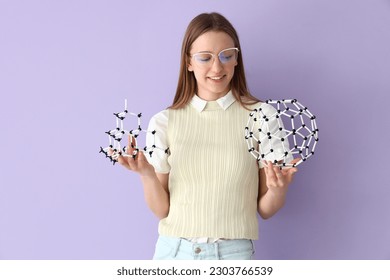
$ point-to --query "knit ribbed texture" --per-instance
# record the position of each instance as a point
(213, 181)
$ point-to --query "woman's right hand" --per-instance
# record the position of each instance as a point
(137, 163)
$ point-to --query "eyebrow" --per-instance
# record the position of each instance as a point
(204, 52)
(212, 52)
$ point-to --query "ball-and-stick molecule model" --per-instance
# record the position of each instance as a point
(116, 135)
(285, 131)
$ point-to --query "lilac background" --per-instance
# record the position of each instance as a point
(65, 66)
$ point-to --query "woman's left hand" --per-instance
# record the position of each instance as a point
(279, 179)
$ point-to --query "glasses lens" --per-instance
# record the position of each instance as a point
(228, 55)
(203, 58)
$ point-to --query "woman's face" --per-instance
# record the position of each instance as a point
(213, 76)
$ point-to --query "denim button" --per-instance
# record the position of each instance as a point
(197, 250)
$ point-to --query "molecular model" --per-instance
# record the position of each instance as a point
(115, 136)
(288, 132)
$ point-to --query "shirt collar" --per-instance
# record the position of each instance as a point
(224, 101)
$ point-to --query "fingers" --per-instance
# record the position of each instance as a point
(131, 146)
(128, 159)
(132, 143)
(295, 160)
(267, 164)
(270, 171)
(277, 177)
(291, 171)
(124, 161)
(289, 174)
(141, 156)
(134, 160)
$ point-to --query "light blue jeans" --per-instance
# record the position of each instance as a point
(173, 248)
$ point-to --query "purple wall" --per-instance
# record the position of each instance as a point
(65, 66)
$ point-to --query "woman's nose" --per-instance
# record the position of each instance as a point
(217, 65)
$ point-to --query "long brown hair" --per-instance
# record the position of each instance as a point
(187, 86)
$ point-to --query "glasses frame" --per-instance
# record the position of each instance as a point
(213, 57)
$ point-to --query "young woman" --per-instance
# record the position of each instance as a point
(208, 190)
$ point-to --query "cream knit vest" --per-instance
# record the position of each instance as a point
(213, 181)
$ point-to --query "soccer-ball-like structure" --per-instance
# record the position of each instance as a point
(116, 135)
(285, 131)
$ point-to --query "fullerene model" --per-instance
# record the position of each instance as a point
(291, 127)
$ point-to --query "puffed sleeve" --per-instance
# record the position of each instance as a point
(276, 128)
(158, 124)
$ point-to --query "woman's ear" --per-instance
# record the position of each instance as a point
(190, 68)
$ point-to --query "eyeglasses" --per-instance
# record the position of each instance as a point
(225, 56)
